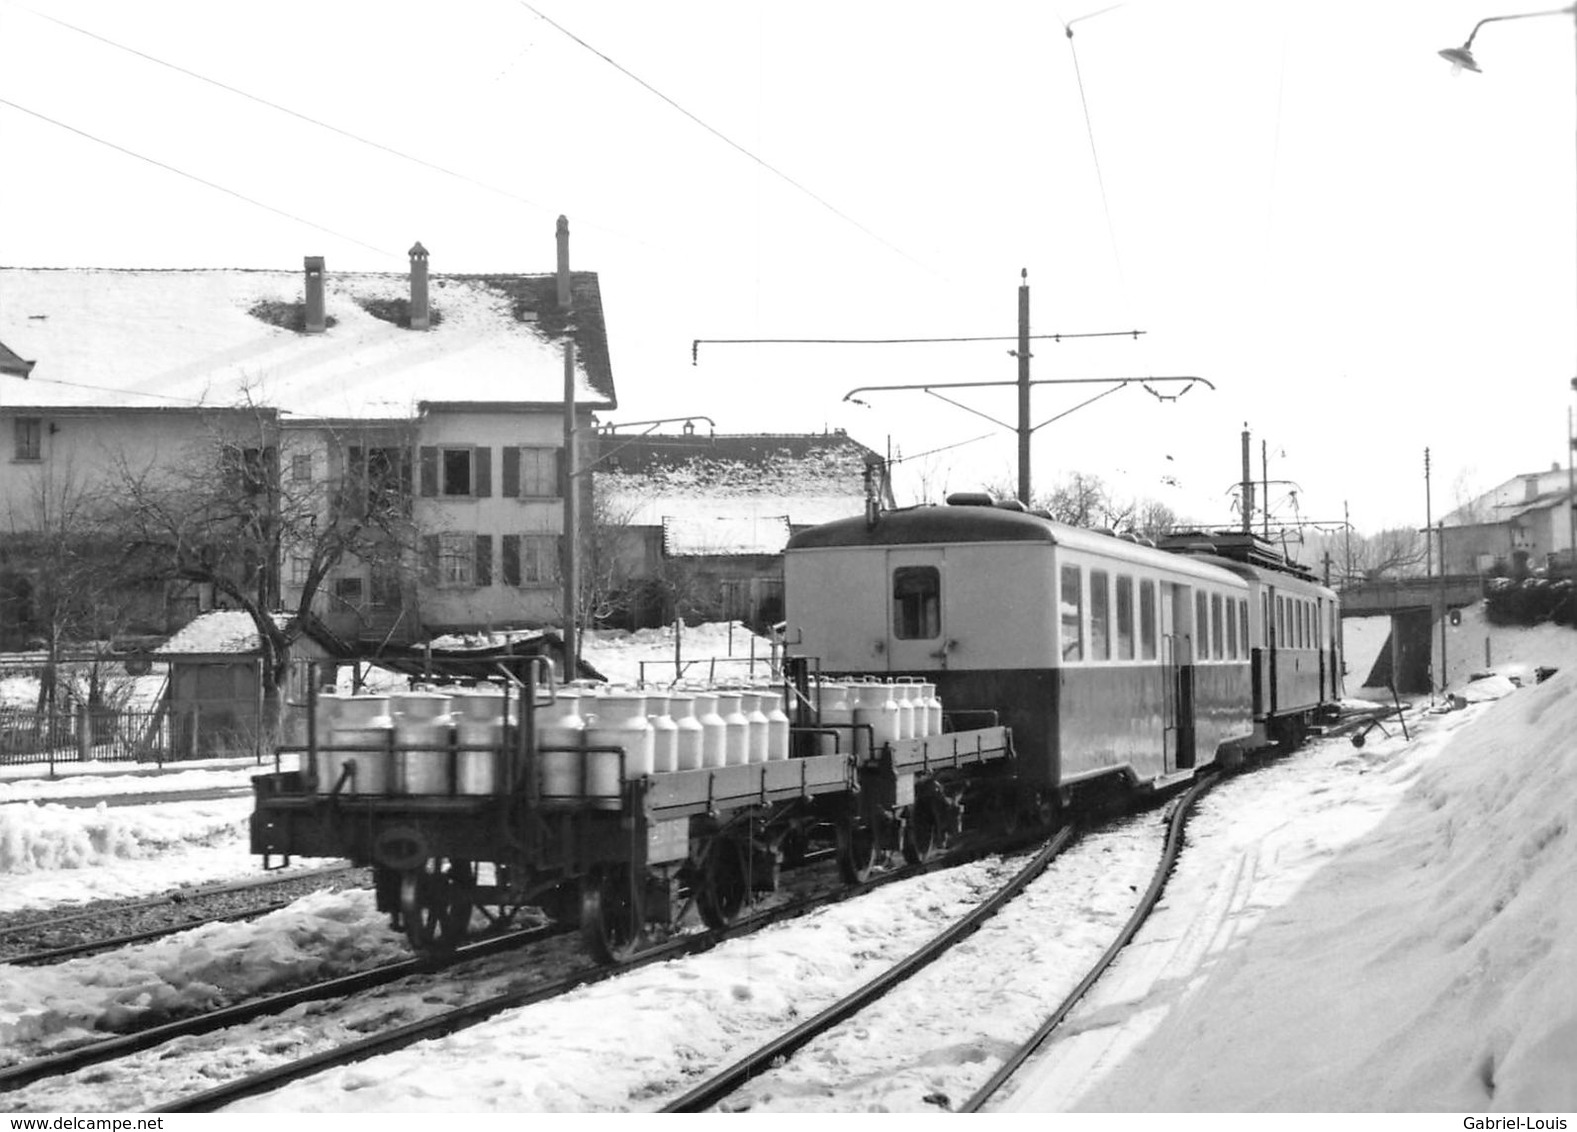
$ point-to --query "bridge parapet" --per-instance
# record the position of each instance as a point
(1393, 594)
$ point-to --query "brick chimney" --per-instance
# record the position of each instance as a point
(420, 317)
(315, 318)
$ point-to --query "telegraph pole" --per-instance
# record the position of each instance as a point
(1024, 429)
(571, 554)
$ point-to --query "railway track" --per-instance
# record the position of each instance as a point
(112, 924)
(473, 1013)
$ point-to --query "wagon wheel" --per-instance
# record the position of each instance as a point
(859, 848)
(435, 903)
(611, 914)
(724, 885)
(925, 834)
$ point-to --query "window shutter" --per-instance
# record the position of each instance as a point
(511, 485)
(430, 560)
(429, 471)
(484, 473)
(510, 549)
(484, 560)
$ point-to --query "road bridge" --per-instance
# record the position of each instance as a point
(1392, 595)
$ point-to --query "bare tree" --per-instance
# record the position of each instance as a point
(1394, 553)
(224, 517)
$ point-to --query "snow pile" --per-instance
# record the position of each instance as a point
(113, 845)
(1487, 688)
(87, 780)
(319, 936)
(1424, 964)
(721, 650)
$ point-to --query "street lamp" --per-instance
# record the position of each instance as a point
(1461, 58)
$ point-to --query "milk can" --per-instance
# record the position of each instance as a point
(933, 709)
(665, 732)
(714, 732)
(771, 706)
(756, 722)
(837, 713)
(874, 708)
(736, 728)
(479, 740)
(324, 717)
(559, 724)
(619, 721)
(903, 696)
(363, 722)
(422, 728)
(691, 735)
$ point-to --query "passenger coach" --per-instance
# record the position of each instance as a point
(1103, 656)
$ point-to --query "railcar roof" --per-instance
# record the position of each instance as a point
(1281, 579)
(932, 525)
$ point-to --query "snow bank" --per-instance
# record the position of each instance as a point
(319, 936)
(51, 853)
(724, 649)
(1426, 966)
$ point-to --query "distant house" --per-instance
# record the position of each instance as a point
(696, 524)
(215, 698)
(446, 391)
(1518, 526)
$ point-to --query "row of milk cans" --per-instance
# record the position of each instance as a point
(592, 739)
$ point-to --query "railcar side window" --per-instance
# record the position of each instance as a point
(1232, 629)
(1100, 616)
(1215, 626)
(1281, 622)
(1243, 612)
(1124, 617)
(1201, 626)
(917, 602)
(1147, 619)
(1072, 600)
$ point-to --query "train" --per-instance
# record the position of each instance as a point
(943, 668)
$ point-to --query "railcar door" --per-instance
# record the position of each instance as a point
(917, 639)
(1177, 680)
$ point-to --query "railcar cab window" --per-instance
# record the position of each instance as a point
(917, 602)
(1072, 606)
(1124, 617)
(1146, 619)
(1100, 616)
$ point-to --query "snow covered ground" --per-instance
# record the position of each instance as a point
(1385, 928)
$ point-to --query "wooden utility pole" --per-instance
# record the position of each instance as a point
(571, 552)
(1024, 429)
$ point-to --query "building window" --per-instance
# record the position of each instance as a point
(1071, 605)
(457, 472)
(456, 559)
(385, 585)
(301, 468)
(917, 603)
(531, 473)
(1124, 617)
(348, 590)
(29, 438)
(456, 467)
(300, 566)
(530, 560)
(379, 480)
(1100, 616)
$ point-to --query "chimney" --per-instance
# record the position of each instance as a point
(315, 321)
(419, 313)
(563, 275)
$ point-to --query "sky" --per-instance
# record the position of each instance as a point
(1300, 204)
(1376, 929)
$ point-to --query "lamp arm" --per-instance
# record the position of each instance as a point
(1514, 16)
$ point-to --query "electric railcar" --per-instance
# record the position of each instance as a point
(1063, 658)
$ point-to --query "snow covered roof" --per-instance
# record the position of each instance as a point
(220, 631)
(737, 492)
(187, 338)
(739, 533)
(12, 363)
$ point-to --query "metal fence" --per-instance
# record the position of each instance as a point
(86, 735)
